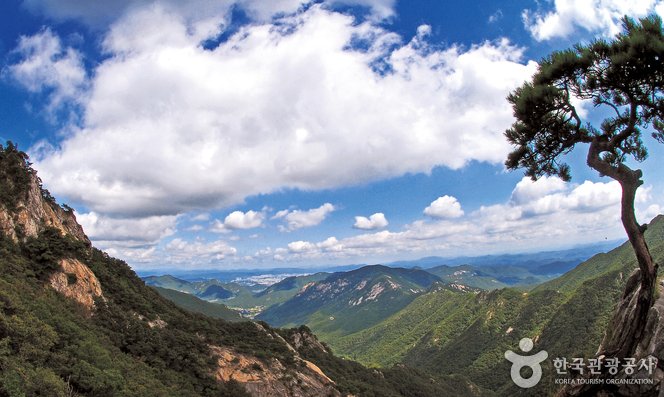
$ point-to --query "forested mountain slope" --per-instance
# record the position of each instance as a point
(449, 333)
(195, 304)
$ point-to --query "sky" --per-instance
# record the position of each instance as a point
(221, 134)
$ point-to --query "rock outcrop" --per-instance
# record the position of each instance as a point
(647, 381)
(269, 377)
(77, 281)
(306, 339)
(36, 212)
(28, 217)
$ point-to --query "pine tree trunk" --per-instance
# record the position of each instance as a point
(625, 329)
(624, 343)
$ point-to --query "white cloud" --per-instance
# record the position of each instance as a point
(132, 240)
(565, 213)
(331, 244)
(301, 246)
(238, 220)
(651, 212)
(47, 66)
(275, 107)
(135, 255)
(375, 221)
(595, 16)
(588, 197)
(298, 219)
(444, 207)
(527, 190)
(181, 250)
(201, 217)
(126, 232)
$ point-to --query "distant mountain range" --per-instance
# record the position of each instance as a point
(195, 304)
(250, 294)
(240, 298)
(525, 260)
(529, 261)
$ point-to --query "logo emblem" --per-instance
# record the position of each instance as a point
(519, 362)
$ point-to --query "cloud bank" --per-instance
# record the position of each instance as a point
(171, 127)
(98, 13)
(547, 211)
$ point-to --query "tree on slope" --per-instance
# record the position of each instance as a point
(625, 76)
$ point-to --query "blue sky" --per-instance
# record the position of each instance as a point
(229, 135)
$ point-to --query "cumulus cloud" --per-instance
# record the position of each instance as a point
(557, 211)
(47, 66)
(135, 255)
(296, 219)
(133, 240)
(375, 221)
(127, 232)
(596, 16)
(238, 220)
(444, 207)
(276, 106)
(547, 211)
(527, 190)
(181, 250)
(301, 246)
(201, 217)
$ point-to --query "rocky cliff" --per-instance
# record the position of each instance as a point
(33, 212)
(647, 378)
(269, 377)
(76, 281)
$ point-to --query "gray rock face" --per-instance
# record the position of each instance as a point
(642, 381)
